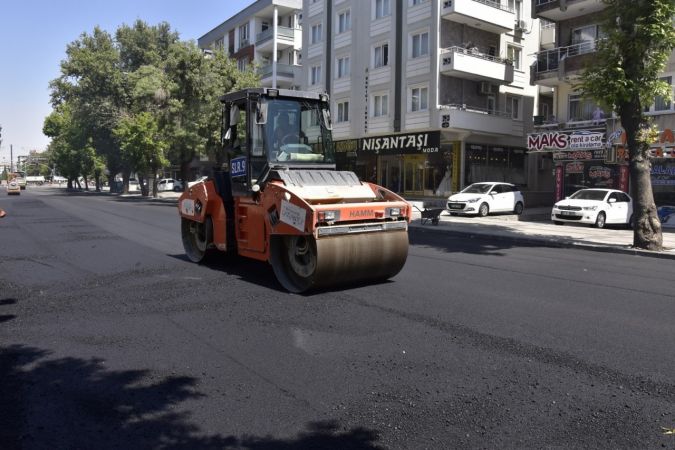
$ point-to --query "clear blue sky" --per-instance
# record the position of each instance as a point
(33, 39)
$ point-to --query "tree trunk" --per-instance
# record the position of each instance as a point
(125, 182)
(646, 226)
(86, 183)
(154, 182)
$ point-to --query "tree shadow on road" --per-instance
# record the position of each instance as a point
(78, 403)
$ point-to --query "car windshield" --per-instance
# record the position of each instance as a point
(588, 194)
(478, 188)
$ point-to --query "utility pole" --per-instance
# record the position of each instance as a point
(11, 158)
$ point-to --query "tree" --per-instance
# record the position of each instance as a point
(68, 144)
(639, 38)
(193, 116)
(142, 145)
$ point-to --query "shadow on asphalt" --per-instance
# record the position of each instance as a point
(449, 241)
(78, 403)
(261, 273)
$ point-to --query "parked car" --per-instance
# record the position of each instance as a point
(598, 207)
(13, 188)
(169, 184)
(485, 198)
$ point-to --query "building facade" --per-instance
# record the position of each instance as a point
(584, 143)
(267, 34)
(427, 95)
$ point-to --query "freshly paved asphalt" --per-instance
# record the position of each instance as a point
(111, 339)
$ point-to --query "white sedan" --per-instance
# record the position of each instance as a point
(484, 198)
(169, 184)
(597, 207)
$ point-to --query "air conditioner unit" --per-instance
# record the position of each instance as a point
(487, 88)
(521, 25)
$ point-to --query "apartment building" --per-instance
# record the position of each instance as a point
(266, 34)
(584, 143)
(427, 95)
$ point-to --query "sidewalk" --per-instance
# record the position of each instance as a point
(535, 226)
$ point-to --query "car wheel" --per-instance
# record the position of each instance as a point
(484, 210)
(600, 220)
(557, 222)
(518, 209)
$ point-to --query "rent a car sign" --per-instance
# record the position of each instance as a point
(558, 140)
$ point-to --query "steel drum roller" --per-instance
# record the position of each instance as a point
(302, 263)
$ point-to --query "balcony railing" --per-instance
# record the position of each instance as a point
(283, 70)
(493, 4)
(476, 110)
(282, 32)
(474, 53)
(549, 60)
(544, 2)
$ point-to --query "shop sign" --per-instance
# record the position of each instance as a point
(663, 174)
(346, 146)
(558, 183)
(560, 140)
(574, 167)
(424, 142)
(579, 155)
(664, 147)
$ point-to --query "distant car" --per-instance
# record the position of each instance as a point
(169, 184)
(484, 198)
(664, 212)
(13, 188)
(198, 180)
(598, 207)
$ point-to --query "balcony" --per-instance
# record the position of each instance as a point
(471, 64)
(556, 66)
(286, 75)
(557, 10)
(486, 15)
(285, 38)
(479, 120)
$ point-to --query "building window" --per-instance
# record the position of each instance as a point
(381, 56)
(419, 99)
(315, 75)
(219, 45)
(420, 44)
(243, 36)
(514, 54)
(343, 112)
(517, 7)
(513, 106)
(344, 21)
(316, 34)
(382, 8)
(343, 67)
(663, 103)
(380, 105)
(242, 64)
(580, 109)
(417, 2)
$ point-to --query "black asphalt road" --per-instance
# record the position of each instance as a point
(111, 339)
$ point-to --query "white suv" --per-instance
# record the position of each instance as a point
(485, 198)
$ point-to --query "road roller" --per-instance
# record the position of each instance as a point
(276, 196)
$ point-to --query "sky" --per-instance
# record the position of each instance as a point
(33, 39)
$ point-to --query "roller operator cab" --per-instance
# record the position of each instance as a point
(278, 198)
